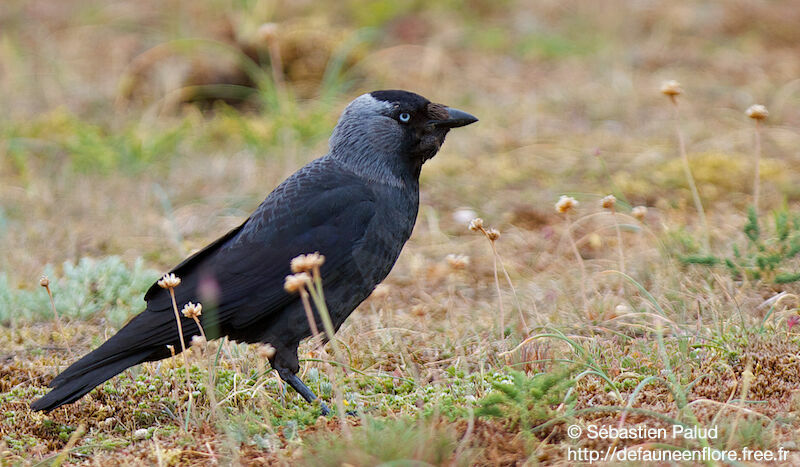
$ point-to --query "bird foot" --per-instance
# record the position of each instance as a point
(298, 385)
(325, 410)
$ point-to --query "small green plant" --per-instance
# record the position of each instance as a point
(90, 287)
(402, 441)
(672, 89)
(768, 256)
(526, 402)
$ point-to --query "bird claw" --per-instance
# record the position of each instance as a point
(325, 410)
(298, 385)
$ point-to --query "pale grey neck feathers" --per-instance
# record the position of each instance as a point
(368, 142)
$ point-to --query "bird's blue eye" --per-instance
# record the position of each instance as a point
(405, 117)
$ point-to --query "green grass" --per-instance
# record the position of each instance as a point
(130, 140)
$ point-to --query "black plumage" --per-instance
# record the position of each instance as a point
(356, 206)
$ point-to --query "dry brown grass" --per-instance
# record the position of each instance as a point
(567, 94)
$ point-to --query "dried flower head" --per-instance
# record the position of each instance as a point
(266, 351)
(493, 234)
(169, 281)
(476, 224)
(192, 310)
(671, 88)
(294, 282)
(171, 349)
(639, 212)
(757, 112)
(565, 204)
(307, 262)
(609, 202)
(457, 261)
(199, 341)
(267, 32)
(44, 281)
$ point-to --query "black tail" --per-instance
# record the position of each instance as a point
(143, 339)
(74, 386)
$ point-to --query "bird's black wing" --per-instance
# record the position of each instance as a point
(320, 208)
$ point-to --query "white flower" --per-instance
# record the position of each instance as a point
(307, 262)
(476, 224)
(609, 202)
(757, 112)
(169, 281)
(566, 204)
(671, 88)
(191, 310)
(294, 282)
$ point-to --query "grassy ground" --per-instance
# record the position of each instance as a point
(133, 133)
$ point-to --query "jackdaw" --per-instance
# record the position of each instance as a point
(357, 206)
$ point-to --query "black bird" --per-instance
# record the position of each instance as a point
(357, 206)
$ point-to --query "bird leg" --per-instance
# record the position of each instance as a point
(301, 388)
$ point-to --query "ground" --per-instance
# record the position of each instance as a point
(135, 132)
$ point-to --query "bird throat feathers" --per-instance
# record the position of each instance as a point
(372, 144)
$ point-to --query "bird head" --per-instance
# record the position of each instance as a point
(388, 135)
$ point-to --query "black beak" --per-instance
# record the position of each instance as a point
(457, 118)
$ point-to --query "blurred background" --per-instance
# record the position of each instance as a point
(133, 132)
(148, 127)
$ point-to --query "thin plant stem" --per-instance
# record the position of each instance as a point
(747, 379)
(212, 379)
(211, 390)
(46, 285)
(499, 260)
(619, 241)
(499, 295)
(276, 63)
(200, 327)
(318, 296)
(688, 172)
(309, 313)
(757, 180)
(178, 320)
(516, 298)
(582, 266)
(183, 352)
(492, 235)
